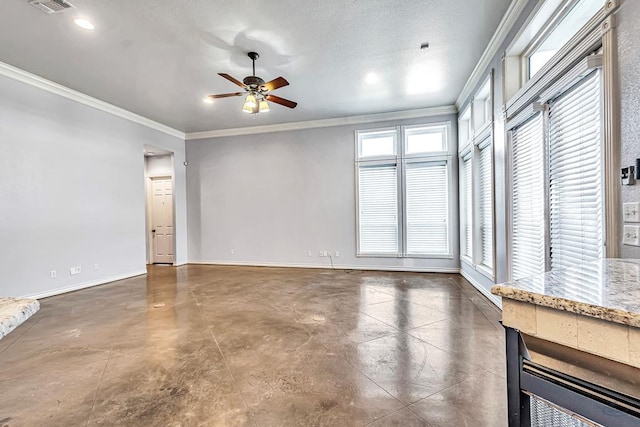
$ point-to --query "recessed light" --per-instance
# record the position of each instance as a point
(207, 100)
(371, 78)
(83, 23)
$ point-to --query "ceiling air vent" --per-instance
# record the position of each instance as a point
(52, 6)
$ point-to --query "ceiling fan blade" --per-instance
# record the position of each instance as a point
(233, 80)
(275, 84)
(225, 95)
(281, 101)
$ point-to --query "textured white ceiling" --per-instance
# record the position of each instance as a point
(158, 58)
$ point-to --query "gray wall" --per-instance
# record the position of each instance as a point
(628, 17)
(272, 197)
(72, 192)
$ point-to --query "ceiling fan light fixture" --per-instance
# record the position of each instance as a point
(264, 106)
(250, 104)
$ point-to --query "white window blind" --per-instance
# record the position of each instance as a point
(528, 233)
(467, 206)
(575, 174)
(427, 210)
(378, 205)
(486, 202)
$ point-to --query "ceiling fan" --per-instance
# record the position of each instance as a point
(257, 90)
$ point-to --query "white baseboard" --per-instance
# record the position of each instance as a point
(85, 285)
(493, 298)
(329, 267)
(180, 263)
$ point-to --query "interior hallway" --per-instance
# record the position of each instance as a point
(225, 346)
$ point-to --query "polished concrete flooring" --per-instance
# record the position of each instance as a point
(235, 346)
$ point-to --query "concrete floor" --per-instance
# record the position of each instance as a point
(227, 346)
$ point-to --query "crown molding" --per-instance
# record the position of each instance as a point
(15, 73)
(339, 121)
(499, 36)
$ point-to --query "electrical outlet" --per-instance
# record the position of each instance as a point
(308, 253)
(325, 253)
(233, 251)
(95, 267)
(321, 253)
(337, 254)
(631, 212)
(75, 270)
(53, 274)
(631, 235)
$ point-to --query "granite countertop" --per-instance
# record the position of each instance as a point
(608, 289)
(14, 312)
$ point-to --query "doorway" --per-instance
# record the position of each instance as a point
(160, 218)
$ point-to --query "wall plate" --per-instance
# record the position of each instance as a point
(631, 235)
(631, 212)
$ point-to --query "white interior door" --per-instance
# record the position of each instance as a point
(162, 220)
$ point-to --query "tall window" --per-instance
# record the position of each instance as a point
(485, 193)
(476, 181)
(403, 177)
(557, 179)
(575, 175)
(560, 182)
(528, 199)
(466, 205)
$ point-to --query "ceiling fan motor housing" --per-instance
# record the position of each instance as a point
(253, 82)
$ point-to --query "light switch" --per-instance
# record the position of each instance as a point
(631, 235)
(631, 212)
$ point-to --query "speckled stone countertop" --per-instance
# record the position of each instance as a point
(14, 311)
(607, 289)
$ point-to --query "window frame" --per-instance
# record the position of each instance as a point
(400, 160)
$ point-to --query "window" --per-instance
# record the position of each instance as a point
(466, 207)
(485, 170)
(560, 182)
(575, 175)
(378, 201)
(528, 201)
(557, 179)
(476, 181)
(403, 191)
(575, 16)
(548, 38)
(427, 208)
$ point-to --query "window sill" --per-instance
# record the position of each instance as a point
(409, 256)
(482, 269)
